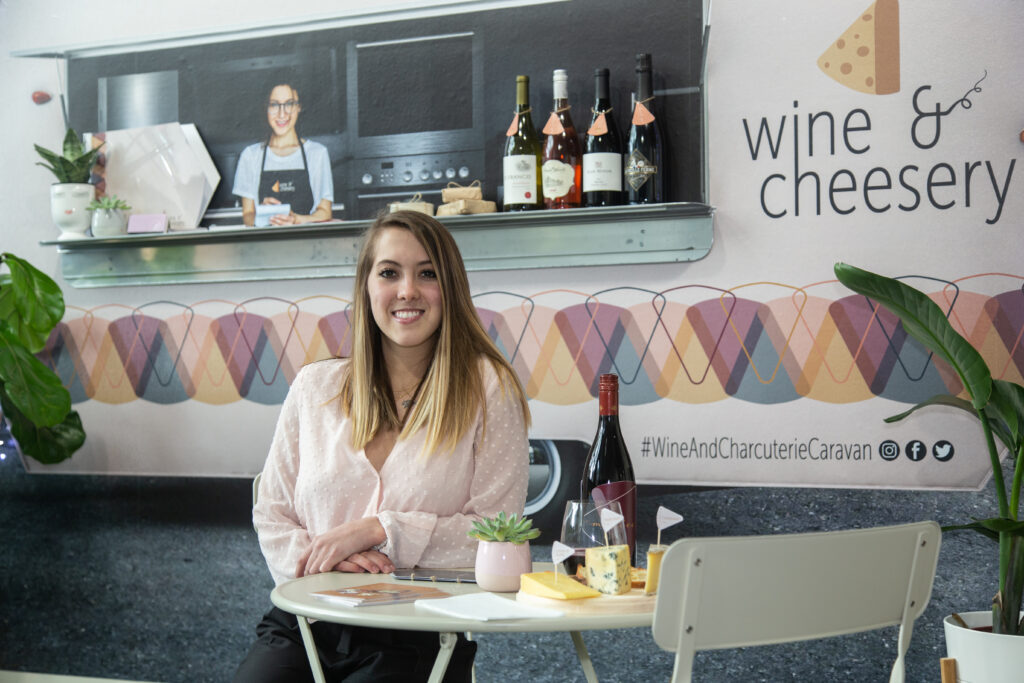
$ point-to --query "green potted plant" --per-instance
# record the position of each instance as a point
(72, 192)
(999, 407)
(35, 404)
(503, 552)
(108, 217)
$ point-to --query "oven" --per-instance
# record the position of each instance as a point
(415, 118)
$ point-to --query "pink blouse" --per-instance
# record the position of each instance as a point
(314, 480)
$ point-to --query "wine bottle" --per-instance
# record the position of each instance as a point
(645, 170)
(521, 171)
(562, 169)
(608, 472)
(602, 151)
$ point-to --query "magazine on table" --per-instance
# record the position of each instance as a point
(379, 594)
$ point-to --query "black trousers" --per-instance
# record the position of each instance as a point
(351, 654)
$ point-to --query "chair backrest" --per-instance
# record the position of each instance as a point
(729, 592)
(256, 491)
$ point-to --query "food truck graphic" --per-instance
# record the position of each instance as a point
(879, 143)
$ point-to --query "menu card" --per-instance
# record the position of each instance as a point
(379, 594)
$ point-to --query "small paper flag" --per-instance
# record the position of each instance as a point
(666, 518)
(559, 552)
(609, 519)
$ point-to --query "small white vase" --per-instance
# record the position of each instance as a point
(68, 202)
(107, 222)
(499, 565)
(982, 656)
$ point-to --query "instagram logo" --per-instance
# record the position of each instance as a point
(889, 450)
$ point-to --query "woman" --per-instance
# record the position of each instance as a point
(283, 171)
(384, 459)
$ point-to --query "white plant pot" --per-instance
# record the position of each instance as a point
(107, 222)
(982, 656)
(68, 202)
(499, 565)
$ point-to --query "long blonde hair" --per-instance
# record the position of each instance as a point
(452, 390)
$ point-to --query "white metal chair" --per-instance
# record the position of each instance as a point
(255, 492)
(717, 593)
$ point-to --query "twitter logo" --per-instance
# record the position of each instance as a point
(942, 450)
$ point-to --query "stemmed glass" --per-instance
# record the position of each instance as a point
(581, 529)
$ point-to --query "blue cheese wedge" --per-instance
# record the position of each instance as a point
(608, 569)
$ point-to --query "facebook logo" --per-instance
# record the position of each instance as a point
(916, 450)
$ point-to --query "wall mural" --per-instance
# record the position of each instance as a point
(691, 344)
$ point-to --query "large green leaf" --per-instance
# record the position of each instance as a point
(1007, 407)
(940, 400)
(1004, 412)
(924, 320)
(30, 301)
(30, 385)
(48, 445)
(992, 527)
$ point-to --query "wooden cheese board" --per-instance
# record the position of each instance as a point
(633, 602)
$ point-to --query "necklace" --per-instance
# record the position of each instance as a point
(408, 402)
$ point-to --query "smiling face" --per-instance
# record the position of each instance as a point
(283, 97)
(404, 293)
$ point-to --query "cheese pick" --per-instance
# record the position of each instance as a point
(559, 553)
(608, 521)
(666, 518)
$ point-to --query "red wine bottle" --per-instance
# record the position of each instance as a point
(521, 172)
(608, 472)
(645, 170)
(602, 150)
(562, 169)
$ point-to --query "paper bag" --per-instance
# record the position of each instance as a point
(163, 169)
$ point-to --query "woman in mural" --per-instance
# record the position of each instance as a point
(384, 459)
(285, 169)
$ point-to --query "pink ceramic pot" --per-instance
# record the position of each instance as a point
(498, 565)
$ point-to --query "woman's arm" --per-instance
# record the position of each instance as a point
(248, 212)
(283, 537)
(323, 213)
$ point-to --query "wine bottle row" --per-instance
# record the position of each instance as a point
(553, 170)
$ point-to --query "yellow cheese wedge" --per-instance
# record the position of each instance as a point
(654, 556)
(556, 586)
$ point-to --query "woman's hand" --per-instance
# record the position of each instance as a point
(284, 219)
(370, 561)
(330, 549)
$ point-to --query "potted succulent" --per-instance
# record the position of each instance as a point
(108, 217)
(35, 404)
(503, 552)
(999, 407)
(72, 192)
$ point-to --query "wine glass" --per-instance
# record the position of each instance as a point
(581, 529)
